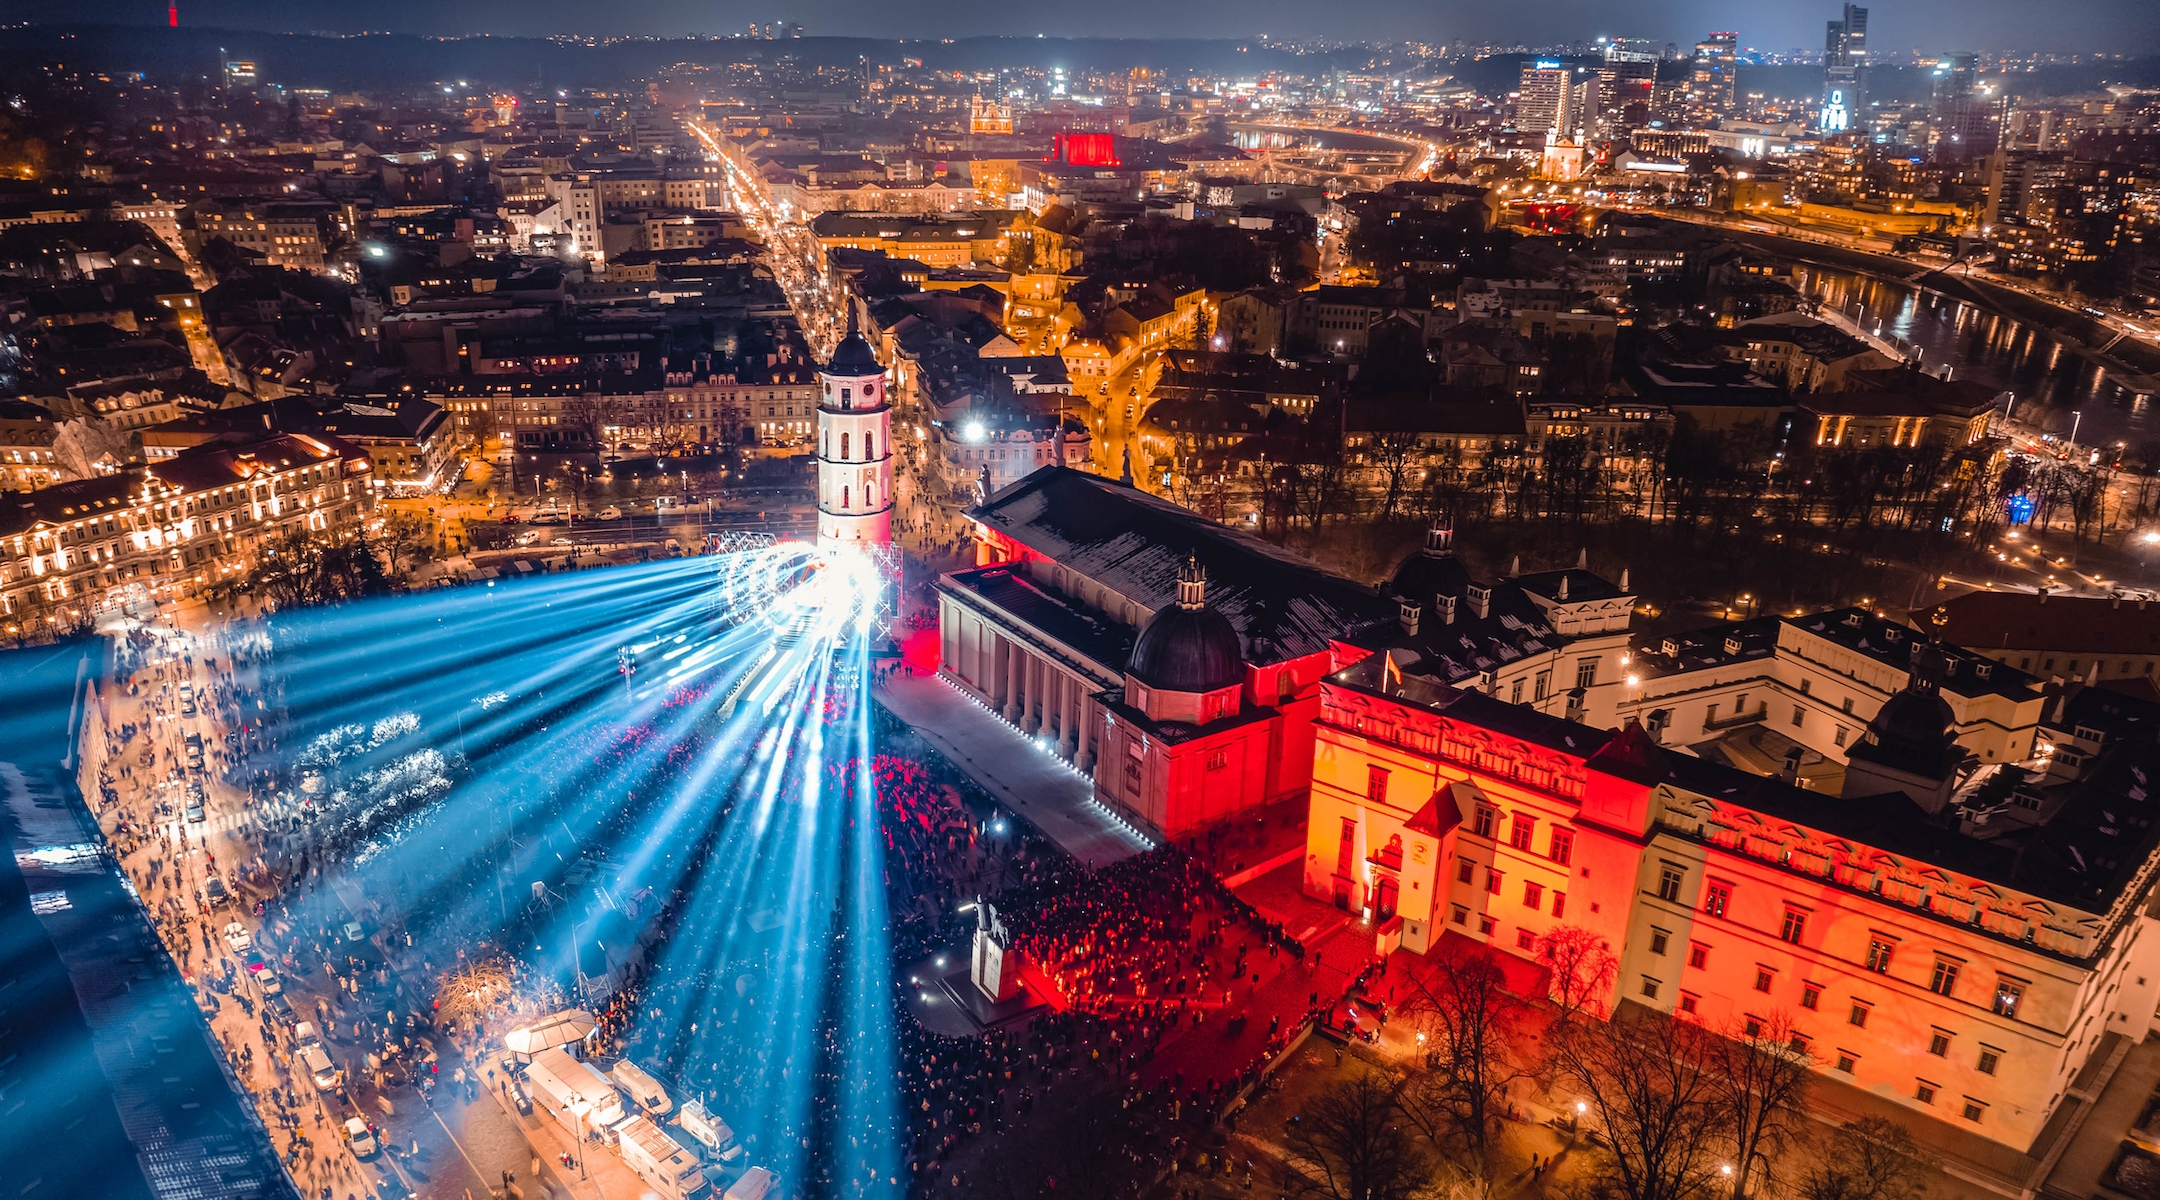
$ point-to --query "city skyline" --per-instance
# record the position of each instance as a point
(2109, 26)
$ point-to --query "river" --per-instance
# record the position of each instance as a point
(2051, 383)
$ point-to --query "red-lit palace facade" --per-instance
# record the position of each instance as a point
(1908, 956)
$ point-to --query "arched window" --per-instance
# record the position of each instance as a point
(847, 397)
(843, 496)
(843, 448)
(869, 447)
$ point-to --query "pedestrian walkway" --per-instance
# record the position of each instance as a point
(1003, 762)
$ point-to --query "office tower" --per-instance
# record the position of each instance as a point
(1845, 72)
(1954, 75)
(1545, 98)
(1710, 88)
(1627, 86)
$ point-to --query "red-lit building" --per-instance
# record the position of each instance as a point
(1939, 953)
(1952, 967)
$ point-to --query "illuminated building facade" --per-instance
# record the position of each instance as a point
(1844, 99)
(1956, 977)
(171, 529)
(854, 457)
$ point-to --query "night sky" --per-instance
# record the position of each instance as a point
(1897, 25)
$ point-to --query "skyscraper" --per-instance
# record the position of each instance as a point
(1545, 97)
(1627, 84)
(1717, 63)
(1845, 72)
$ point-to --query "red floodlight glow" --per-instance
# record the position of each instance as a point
(1086, 150)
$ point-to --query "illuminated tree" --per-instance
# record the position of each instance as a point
(1467, 1023)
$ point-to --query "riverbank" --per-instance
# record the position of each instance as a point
(2131, 364)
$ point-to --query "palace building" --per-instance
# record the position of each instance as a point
(1957, 929)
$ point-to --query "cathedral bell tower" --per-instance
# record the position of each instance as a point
(854, 456)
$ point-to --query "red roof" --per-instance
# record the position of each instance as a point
(1435, 818)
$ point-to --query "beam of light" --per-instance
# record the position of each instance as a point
(542, 765)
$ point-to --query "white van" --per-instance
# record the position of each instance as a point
(643, 1088)
(755, 1184)
(320, 1069)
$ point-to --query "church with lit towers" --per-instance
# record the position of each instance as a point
(854, 455)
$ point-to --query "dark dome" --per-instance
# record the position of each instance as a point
(1424, 575)
(1915, 725)
(853, 357)
(1188, 650)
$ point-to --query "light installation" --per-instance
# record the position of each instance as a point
(652, 783)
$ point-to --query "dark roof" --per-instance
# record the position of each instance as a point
(2064, 624)
(2085, 857)
(1108, 643)
(1282, 606)
(854, 357)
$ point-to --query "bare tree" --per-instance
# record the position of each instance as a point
(1350, 1144)
(1763, 1068)
(1870, 1159)
(1582, 965)
(1651, 1087)
(1467, 1021)
(1392, 454)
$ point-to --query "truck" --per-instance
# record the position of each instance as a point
(574, 1092)
(670, 1170)
(641, 1087)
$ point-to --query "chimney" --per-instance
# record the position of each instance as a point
(1623, 579)
(1444, 607)
(1480, 601)
(1563, 587)
(1408, 616)
(1582, 559)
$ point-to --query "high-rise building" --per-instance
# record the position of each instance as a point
(1545, 97)
(854, 456)
(1845, 72)
(1627, 85)
(1954, 75)
(1711, 86)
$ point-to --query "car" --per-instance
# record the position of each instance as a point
(195, 810)
(238, 937)
(279, 1006)
(360, 1137)
(549, 519)
(268, 984)
(216, 894)
(323, 1073)
(254, 961)
(355, 932)
(187, 706)
(610, 513)
(304, 1034)
(526, 538)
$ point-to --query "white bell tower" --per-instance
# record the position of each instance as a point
(854, 456)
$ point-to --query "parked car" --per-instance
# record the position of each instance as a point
(610, 513)
(549, 519)
(267, 983)
(238, 937)
(360, 1137)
